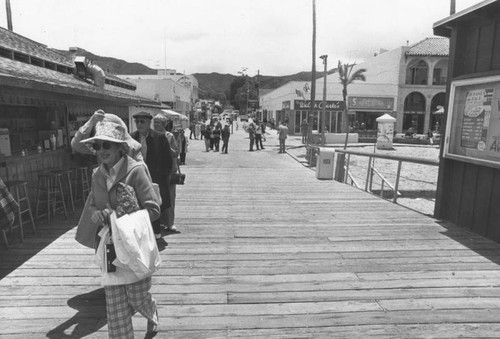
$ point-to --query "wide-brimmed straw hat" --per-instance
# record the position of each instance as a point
(109, 131)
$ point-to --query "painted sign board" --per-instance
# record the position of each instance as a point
(331, 105)
(473, 122)
(372, 103)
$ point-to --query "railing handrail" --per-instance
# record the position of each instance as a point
(414, 160)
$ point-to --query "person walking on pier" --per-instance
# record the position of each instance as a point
(304, 128)
(183, 146)
(118, 176)
(282, 135)
(251, 134)
(216, 133)
(156, 153)
(163, 125)
(258, 135)
(207, 132)
(225, 138)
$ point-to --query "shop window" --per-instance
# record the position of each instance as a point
(21, 57)
(50, 65)
(416, 73)
(36, 62)
(62, 69)
(5, 53)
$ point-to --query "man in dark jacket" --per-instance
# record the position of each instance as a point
(156, 153)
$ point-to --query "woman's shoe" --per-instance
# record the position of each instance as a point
(152, 328)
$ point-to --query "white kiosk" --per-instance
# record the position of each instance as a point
(385, 131)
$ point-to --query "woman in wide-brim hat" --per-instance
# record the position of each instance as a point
(86, 230)
(118, 172)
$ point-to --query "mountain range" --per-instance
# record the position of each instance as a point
(209, 83)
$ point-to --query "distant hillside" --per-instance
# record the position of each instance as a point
(219, 83)
(210, 84)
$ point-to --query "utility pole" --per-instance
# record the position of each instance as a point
(323, 111)
(313, 74)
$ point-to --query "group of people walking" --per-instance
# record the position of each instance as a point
(132, 194)
(212, 133)
(256, 133)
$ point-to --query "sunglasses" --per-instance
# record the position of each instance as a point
(141, 121)
(105, 145)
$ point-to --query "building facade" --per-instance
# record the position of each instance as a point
(178, 92)
(408, 83)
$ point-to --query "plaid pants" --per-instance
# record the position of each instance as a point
(122, 301)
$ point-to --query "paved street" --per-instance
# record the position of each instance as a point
(266, 250)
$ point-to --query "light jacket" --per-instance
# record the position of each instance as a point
(132, 173)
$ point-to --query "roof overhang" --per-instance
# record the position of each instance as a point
(443, 27)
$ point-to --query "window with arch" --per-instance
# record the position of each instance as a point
(440, 73)
(415, 102)
(416, 73)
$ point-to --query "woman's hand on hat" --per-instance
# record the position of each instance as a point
(97, 116)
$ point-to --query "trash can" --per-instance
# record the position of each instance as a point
(324, 165)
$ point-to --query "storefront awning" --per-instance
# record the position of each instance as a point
(440, 110)
(170, 113)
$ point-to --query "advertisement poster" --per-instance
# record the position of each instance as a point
(473, 123)
(476, 119)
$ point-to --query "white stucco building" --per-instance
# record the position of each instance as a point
(179, 92)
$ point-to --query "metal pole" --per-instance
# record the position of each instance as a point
(9, 15)
(323, 111)
(313, 71)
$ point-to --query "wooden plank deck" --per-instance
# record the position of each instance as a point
(268, 251)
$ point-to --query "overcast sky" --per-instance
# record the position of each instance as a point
(203, 36)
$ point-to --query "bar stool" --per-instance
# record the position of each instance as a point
(50, 192)
(67, 181)
(19, 190)
(82, 183)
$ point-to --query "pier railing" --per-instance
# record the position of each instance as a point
(343, 162)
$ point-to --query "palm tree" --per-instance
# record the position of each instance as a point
(346, 77)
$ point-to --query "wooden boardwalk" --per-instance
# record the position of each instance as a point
(268, 251)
